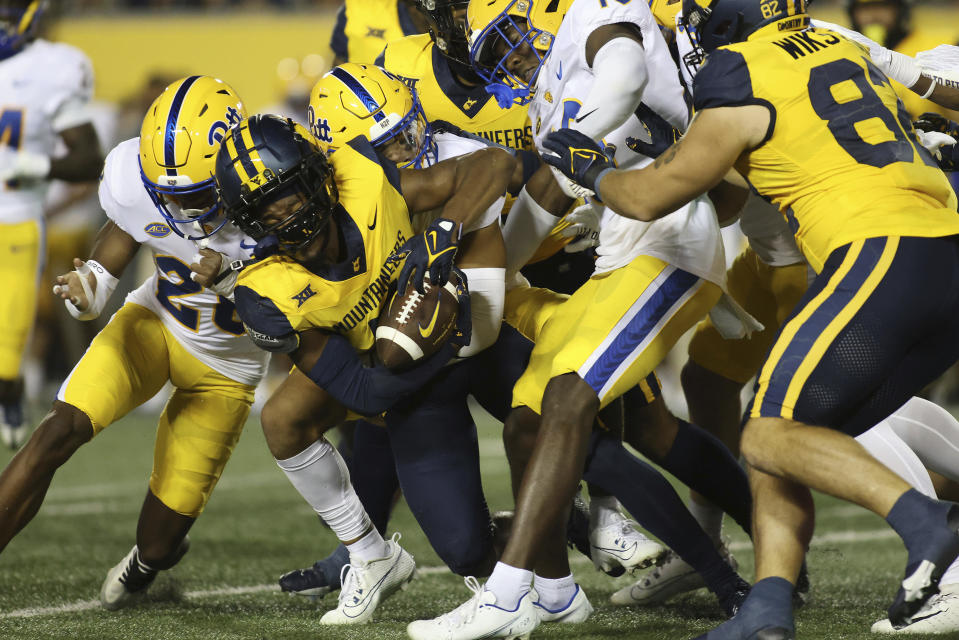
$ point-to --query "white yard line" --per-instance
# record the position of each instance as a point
(843, 537)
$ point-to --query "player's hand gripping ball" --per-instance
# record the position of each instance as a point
(413, 325)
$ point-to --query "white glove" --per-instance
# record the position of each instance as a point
(22, 164)
(941, 62)
(569, 187)
(897, 66)
(933, 140)
(584, 224)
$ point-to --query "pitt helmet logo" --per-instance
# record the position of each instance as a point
(157, 230)
(304, 295)
(219, 128)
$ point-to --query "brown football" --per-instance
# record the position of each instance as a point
(414, 326)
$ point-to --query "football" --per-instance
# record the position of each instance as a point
(414, 326)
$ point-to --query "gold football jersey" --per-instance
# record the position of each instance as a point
(364, 27)
(278, 295)
(417, 62)
(841, 159)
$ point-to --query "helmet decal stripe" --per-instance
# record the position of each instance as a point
(354, 85)
(169, 151)
(28, 17)
(233, 150)
(247, 154)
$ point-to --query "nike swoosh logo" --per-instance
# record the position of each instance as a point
(623, 553)
(244, 245)
(559, 74)
(363, 604)
(586, 115)
(376, 212)
(931, 615)
(427, 331)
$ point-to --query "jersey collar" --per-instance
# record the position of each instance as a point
(461, 96)
(355, 262)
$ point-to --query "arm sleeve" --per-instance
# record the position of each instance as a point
(72, 103)
(370, 391)
(527, 225)
(487, 299)
(619, 78)
(266, 325)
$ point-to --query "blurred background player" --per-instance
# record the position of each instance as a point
(890, 23)
(46, 89)
(364, 27)
(156, 191)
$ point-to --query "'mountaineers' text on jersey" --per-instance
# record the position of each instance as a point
(364, 27)
(278, 296)
(840, 159)
(689, 238)
(44, 89)
(416, 61)
(205, 323)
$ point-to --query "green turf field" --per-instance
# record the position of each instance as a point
(257, 527)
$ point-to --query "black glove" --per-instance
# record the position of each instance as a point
(930, 121)
(578, 157)
(464, 319)
(430, 252)
(662, 133)
(949, 158)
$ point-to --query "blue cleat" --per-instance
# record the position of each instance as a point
(320, 579)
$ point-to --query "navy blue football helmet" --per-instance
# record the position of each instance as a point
(265, 159)
(722, 22)
(19, 20)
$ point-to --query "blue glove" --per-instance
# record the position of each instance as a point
(430, 252)
(578, 157)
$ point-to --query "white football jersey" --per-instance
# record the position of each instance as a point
(765, 228)
(205, 323)
(688, 238)
(44, 89)
(449, 145)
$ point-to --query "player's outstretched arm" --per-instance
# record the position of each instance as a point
(689, 168)
(84, 159)
(113, 250)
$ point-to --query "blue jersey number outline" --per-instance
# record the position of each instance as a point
(169, 293)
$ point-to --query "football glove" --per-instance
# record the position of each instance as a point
(583, 228)
(578, 157)
(662, 134)
(463, 332)
(949, 158)
(930, 122)
(429, 252)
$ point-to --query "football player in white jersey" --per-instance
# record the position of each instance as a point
(46, 88)
(157, 191)
(605, 69)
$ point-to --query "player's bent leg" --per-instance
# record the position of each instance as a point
(297, 414)
(437, 461)
(25, 480)
(20, 256)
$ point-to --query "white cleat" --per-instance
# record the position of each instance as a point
(620, 545)
(670, 578)
(366, 584)
(577, 610)
(940, 615)
(125, 583)
(479, 617)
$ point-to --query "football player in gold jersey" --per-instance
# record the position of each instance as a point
(330, 228)
(364, 27)
(814, 127)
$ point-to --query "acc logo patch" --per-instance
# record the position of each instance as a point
(157, 230)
